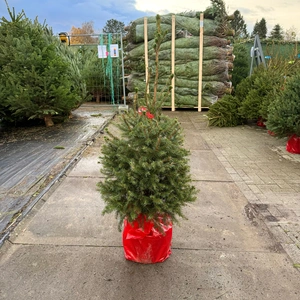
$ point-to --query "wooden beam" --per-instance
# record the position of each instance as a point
(200, 63)
(146, 52)
(173, 63)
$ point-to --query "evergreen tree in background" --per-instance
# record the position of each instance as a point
(263, 28)
(114, 26)
(218, 8)
(284, 112)
(35, 81)
(260, 28)
(239, 26)
(241, 64)
(224, 113)
(217, 12)
(276, 33)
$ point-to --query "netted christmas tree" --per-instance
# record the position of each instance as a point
(146, 167)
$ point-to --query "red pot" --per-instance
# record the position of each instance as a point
(271, 133)
(146, 245)
(260, 122)
(293, 144)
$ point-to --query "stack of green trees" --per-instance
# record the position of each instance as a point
(217, 56)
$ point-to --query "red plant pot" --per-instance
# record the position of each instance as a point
(271, 133)
(293, 144)
(146, 245)
(260, 122)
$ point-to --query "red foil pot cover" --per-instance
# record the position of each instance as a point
(293, 144)
(146, 245)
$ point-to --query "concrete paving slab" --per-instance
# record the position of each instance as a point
(180, 115)
(199, 120)
(29, 157)
(187, 126)
(65, 248)
(218, 220)
(194, 141)
(205, 166)
(89, 165)
(70, 216)
(64, 272)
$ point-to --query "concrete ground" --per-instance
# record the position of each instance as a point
(241, 239)
(32, 158)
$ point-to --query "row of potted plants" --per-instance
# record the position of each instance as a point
(271, 96)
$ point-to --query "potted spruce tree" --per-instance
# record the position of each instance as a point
(147, 175)
(284, 114)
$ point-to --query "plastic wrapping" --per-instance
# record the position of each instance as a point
(146, 245)
(293, 144)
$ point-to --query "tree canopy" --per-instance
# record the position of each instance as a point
(35, 77)
(239, 25)
(114, 26)
(84, 34)
(290, 34)
(260, 28)
(277, 33)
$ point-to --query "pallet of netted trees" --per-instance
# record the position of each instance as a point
(179, 55)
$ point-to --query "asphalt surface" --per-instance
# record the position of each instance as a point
(241, 239)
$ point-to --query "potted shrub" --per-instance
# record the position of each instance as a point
(147, 175)
(284, 114)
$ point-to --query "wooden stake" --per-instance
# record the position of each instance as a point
(146, 51)
(200, 63)
(173, 63)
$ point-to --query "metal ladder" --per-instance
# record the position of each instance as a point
(257, 55)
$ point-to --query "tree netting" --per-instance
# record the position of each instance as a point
(211, 52)
(217, 58)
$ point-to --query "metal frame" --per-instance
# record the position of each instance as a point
(96, 44)
(257, 54)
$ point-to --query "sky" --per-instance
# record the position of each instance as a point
(61, 15)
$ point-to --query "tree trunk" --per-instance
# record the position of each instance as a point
(97, 97)
(48, 120)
